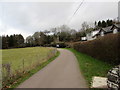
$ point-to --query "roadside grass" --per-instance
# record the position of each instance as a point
(90, 66)
(33, 71)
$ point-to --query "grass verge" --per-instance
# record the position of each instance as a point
(90, 66)
(33, 71)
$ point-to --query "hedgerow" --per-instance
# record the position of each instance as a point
(105, 48)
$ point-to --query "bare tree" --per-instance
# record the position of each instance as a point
(85, 26)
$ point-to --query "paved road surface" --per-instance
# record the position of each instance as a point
(63, 72)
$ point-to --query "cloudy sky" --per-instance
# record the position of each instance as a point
(26, 17)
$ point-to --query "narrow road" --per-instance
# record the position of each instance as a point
(63, 72)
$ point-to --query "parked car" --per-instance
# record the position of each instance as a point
(60, 45)
(57, 46)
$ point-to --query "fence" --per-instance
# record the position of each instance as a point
(9, 75)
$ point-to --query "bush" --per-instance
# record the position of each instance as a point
(105, 48)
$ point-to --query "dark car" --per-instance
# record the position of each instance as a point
(60, 45)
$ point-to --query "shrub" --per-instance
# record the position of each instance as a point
(105, 48)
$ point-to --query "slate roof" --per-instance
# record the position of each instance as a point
(107, 29)
(117, 25)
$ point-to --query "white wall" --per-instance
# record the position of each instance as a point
(83, 38)
(115, 31)
(89, 36)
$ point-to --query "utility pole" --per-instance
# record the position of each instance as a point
(119, 11)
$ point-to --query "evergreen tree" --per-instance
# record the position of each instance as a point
(99, 24)
(104, 24)
(109, 22)
(95, 23)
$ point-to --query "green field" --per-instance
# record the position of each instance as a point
(90, 66)
(25, 59)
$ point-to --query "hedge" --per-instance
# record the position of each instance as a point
(105, 48)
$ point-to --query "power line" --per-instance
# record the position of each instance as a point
(76, 11)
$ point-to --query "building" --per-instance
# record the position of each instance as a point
(101, 32)
(111, 29)
(83, 39)
(89, 36)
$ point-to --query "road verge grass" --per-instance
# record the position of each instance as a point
(33, 71)
(90, 66)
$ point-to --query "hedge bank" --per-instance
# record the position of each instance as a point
(105, 48)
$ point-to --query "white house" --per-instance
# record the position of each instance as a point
(90, 35)
(83, 38)
(111, 29)
(101, 32)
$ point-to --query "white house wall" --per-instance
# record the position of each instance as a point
(115, 31)
(89, 36)
(83, 38)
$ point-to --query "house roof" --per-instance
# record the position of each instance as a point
(95, 32)
(107, 29)
(117, 25)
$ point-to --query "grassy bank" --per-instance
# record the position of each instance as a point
(91, 67)
(23, 62)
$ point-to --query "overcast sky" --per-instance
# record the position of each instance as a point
(28, 17)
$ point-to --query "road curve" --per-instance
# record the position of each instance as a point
(63, 72)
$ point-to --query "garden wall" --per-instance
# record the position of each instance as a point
(105, 48)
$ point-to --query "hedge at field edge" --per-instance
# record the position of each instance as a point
(105, 48)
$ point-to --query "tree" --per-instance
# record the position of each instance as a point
(0, 42)
(54, 31)
(89, 30)
(95, 23)
(46, 32)
(36, 37)
(4, 42)
(43, 39)
(20, 40)
(30, 41)
(109, 22)
(40, 38)
(11, 41)
(99, 24)
(85, 26)
(104, 24)
(64, 28)
(49, 39)
(73, 31)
